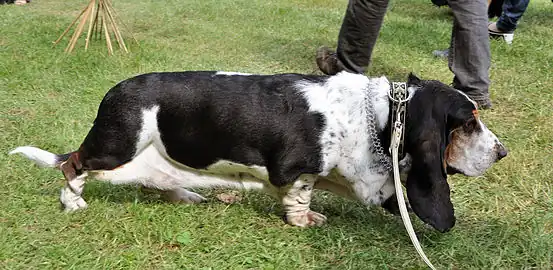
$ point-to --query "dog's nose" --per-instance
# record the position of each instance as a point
(502, 152)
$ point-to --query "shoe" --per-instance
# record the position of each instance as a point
(328, 61)
(495, 32)
(441, 53)
(20, 2)
(484, 102)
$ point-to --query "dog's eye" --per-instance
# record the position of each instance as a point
(471, 125)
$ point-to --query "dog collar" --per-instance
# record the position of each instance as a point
(399, 96)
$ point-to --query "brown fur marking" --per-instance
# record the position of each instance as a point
(71, 167)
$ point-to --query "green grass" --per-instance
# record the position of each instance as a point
(505, 218)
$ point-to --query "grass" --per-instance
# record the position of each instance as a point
(505, 218)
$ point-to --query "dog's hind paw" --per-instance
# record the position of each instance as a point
(181, 195)
(71, 201)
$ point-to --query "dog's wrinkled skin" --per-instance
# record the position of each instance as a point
(286, 134)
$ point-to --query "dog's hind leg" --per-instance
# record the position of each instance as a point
(137, 172)
(106, 147)
(150, 170)
(70, 196)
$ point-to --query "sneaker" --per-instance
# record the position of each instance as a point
(441, 53)
(495, 32)
(328, 61)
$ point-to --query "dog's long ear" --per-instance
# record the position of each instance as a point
(413, 80)
(425, 140)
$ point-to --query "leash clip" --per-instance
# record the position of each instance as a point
(399, 95)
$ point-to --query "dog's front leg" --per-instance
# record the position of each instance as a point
(296, 199)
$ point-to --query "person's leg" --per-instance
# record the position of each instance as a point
(358, 34)
(469, 53)
(512, 12)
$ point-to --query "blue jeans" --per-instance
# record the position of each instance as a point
(512, 11)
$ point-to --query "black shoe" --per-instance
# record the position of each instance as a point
(328, 61)
(495, 32)
(484, 102)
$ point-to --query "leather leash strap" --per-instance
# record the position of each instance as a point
(399, 96)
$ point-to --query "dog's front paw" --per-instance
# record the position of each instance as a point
(71, 201)
(306, 219)
(316, 219)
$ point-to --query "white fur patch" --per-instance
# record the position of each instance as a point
(41, 157)
(149, 130)
(341, 100)
(229, 73)
(473, 153)
(345, 142)
(224, 167)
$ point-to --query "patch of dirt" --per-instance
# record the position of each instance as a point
(229, 197)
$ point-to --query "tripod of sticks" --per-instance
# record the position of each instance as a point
(101, 17)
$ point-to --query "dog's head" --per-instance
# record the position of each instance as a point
(443, 135)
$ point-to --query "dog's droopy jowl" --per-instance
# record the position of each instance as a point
(286, 134)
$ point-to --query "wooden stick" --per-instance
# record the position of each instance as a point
(95, 23)
(112, 22)
(108, 39)
(116, 17)
(67, 30)
(78, 31)
(115, 29)
(114, 26)
(101, 23)
(92, 6)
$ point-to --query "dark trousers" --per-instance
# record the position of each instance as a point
(512, 11)
(469, 56)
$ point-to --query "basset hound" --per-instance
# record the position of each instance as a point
(286, 134)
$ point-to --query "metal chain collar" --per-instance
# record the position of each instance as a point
(384, 159)
(398, 96)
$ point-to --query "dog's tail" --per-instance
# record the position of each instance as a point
(41, 157)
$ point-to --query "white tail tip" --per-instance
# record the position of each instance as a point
(40, 157)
